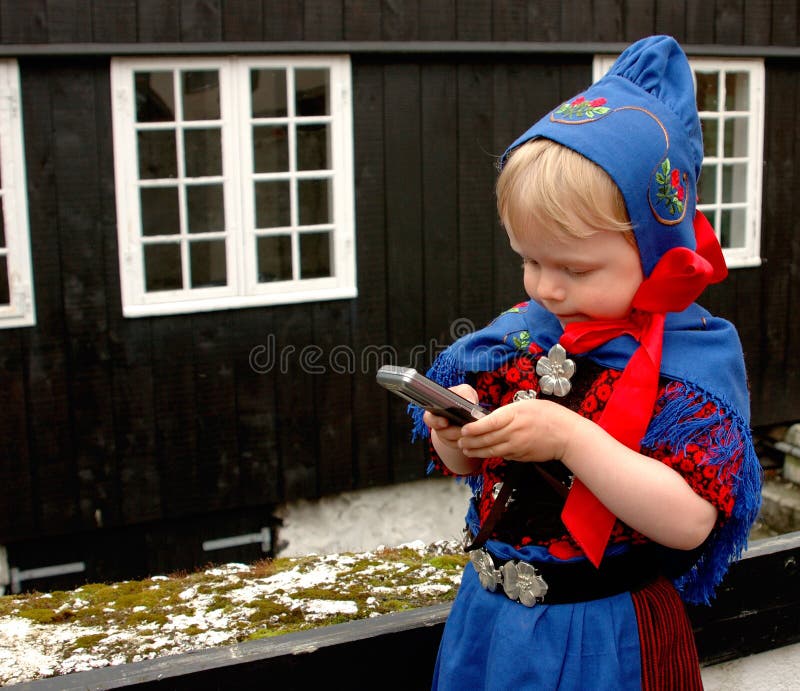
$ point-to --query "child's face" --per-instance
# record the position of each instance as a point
(579, 278)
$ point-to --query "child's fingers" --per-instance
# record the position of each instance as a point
(465, 391)
(436, 422)
(501, 450)
(494, 421)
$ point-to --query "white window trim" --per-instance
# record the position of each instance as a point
(749, 255)
(22, 310)
(243, 289)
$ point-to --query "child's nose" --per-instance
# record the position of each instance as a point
(550, 286)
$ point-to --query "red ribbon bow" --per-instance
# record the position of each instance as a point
(675, 283)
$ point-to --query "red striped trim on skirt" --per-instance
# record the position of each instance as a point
(669, 654)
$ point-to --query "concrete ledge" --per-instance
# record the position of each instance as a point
(780, 506)
(757, 609)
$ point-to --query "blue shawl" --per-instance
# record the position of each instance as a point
(702, 352)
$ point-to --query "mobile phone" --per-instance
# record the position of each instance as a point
(409, 384)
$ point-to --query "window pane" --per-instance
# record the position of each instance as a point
(268, 88)
(162, 267)
(5, 290)
(205, 208)
(313, 148)
(315, 255)
(203, 152)
(313, 201)
(160, 214)
(734, 183)
(155, 97)
(732, 228)
(274, 258)
(707, 185)
(736, 137)
(707, 90)
(201, 95)
(207, 261)
(737, 87)
(157, 155)
(311, 91)
(270, 149)
(710, 128)
(272, 204)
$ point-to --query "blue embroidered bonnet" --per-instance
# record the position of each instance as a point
(640, 124)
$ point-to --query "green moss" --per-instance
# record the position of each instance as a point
(42, 615)
(87, 642)
(217, 588)
(12, 605)
(220, 602)
(448, 562)
(193, 630)
(265, 609)
(264, 633)
(321, 593)
(392, 605)
(362, 565)
(144, 618)
(403, 555)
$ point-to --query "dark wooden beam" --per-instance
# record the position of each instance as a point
(462, 48)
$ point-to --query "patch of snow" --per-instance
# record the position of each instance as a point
(297, 579)
(317, 609)
(226, 569)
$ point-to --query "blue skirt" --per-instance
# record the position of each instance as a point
(491, 642)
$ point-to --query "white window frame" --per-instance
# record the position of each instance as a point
(22, 310)
(243, 288)
(749, 254)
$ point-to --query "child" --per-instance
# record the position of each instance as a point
(616, 474)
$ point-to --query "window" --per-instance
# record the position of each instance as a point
(730, 100)
(234, 182)
(16, 275)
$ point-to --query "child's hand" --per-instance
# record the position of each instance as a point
(642, 492)
(443, 428)
(532, 430)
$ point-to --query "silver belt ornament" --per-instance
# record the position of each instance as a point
(520, 580)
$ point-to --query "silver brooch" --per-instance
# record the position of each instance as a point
(524, 395)
(555, 370)
(522, 582)
(488, 575)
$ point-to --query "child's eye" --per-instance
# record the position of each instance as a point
(576, 272)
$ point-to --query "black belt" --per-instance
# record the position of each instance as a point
(567, 582)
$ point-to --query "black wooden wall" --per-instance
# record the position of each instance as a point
(111, 422)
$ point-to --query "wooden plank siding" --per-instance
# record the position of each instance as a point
(112, 422)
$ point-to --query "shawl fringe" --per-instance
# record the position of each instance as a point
(728, 440)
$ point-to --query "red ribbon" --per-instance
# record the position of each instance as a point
(675, 283)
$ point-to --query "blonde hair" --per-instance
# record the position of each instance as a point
(545, 184)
